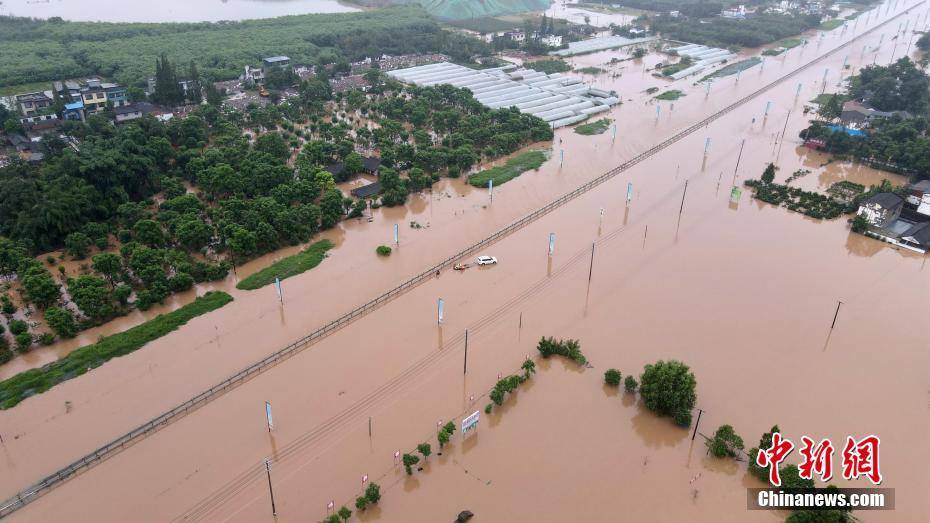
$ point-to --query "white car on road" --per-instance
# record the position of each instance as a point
(486, 260)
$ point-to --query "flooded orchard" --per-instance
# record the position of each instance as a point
(742, 292)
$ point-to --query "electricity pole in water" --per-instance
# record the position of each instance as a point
(274, 511)
(591, 268)
(835, 314)
(465, 364)
(696, 424)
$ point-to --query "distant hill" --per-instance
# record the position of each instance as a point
(465, 9)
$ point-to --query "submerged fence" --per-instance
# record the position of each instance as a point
(34, 491)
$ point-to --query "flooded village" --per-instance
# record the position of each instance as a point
(640, 239)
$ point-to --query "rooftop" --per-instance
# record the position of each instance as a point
(886, 200)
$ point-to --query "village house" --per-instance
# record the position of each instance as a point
(882, 209)
(32, 103)
(274, 61)
(127, 113)
(861, 115)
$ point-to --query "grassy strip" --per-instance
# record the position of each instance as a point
(590, 70)
(37, 381)
(733, 68)
(287, 267)
(672, 95)
(790, 43)
(830, 25)
(824, 98)
(511, 169)
(596, 127)
(548, 66)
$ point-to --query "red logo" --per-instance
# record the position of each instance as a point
(771, 457)
(860, 458)
(816, 459)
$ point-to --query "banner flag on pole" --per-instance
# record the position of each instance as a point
(551, 243)
(396, 234)
(629, 192)
(441, 303)
(268, 416)
(277, 286)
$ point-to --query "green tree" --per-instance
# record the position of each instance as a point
(612, 377)
(92, 296)
(768, 176)
(18, 327)
(194, 233)
(78, 245)
(40, 287)
(726, 442)
(529, 368)
(194, 86)
(353, 163)
(629, 384)
(361, 503)
(274, 144)
(61, 321)
(23, 341)
(12, 255)
(344, 513)
(373, 493)
(109, 265)
(860, 223)
(409, 461)
(425, 449)
(148, 232)
(668, 389)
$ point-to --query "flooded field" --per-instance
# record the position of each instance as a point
(167, 11)
(742, 292)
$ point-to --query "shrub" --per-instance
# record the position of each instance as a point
(46, 338)
(383, 250)
(373, 493)
(667, 388)
(61, 321)
(5, 353)
(488, 407)
(23, 341)
(568, 348)
(409, 461)
(361, 502)
(630, 384)
(18, 327)
(726, 442)
(612, 377)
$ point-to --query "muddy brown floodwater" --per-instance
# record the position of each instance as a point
(743, 292)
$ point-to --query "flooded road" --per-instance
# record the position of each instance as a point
(744, 293)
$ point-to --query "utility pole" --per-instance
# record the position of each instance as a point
(274, 511)
(738, 157)
(783, 130)
(835, 314)
(591, 268)
(465, 364)
(696, 424)
(683, 193)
